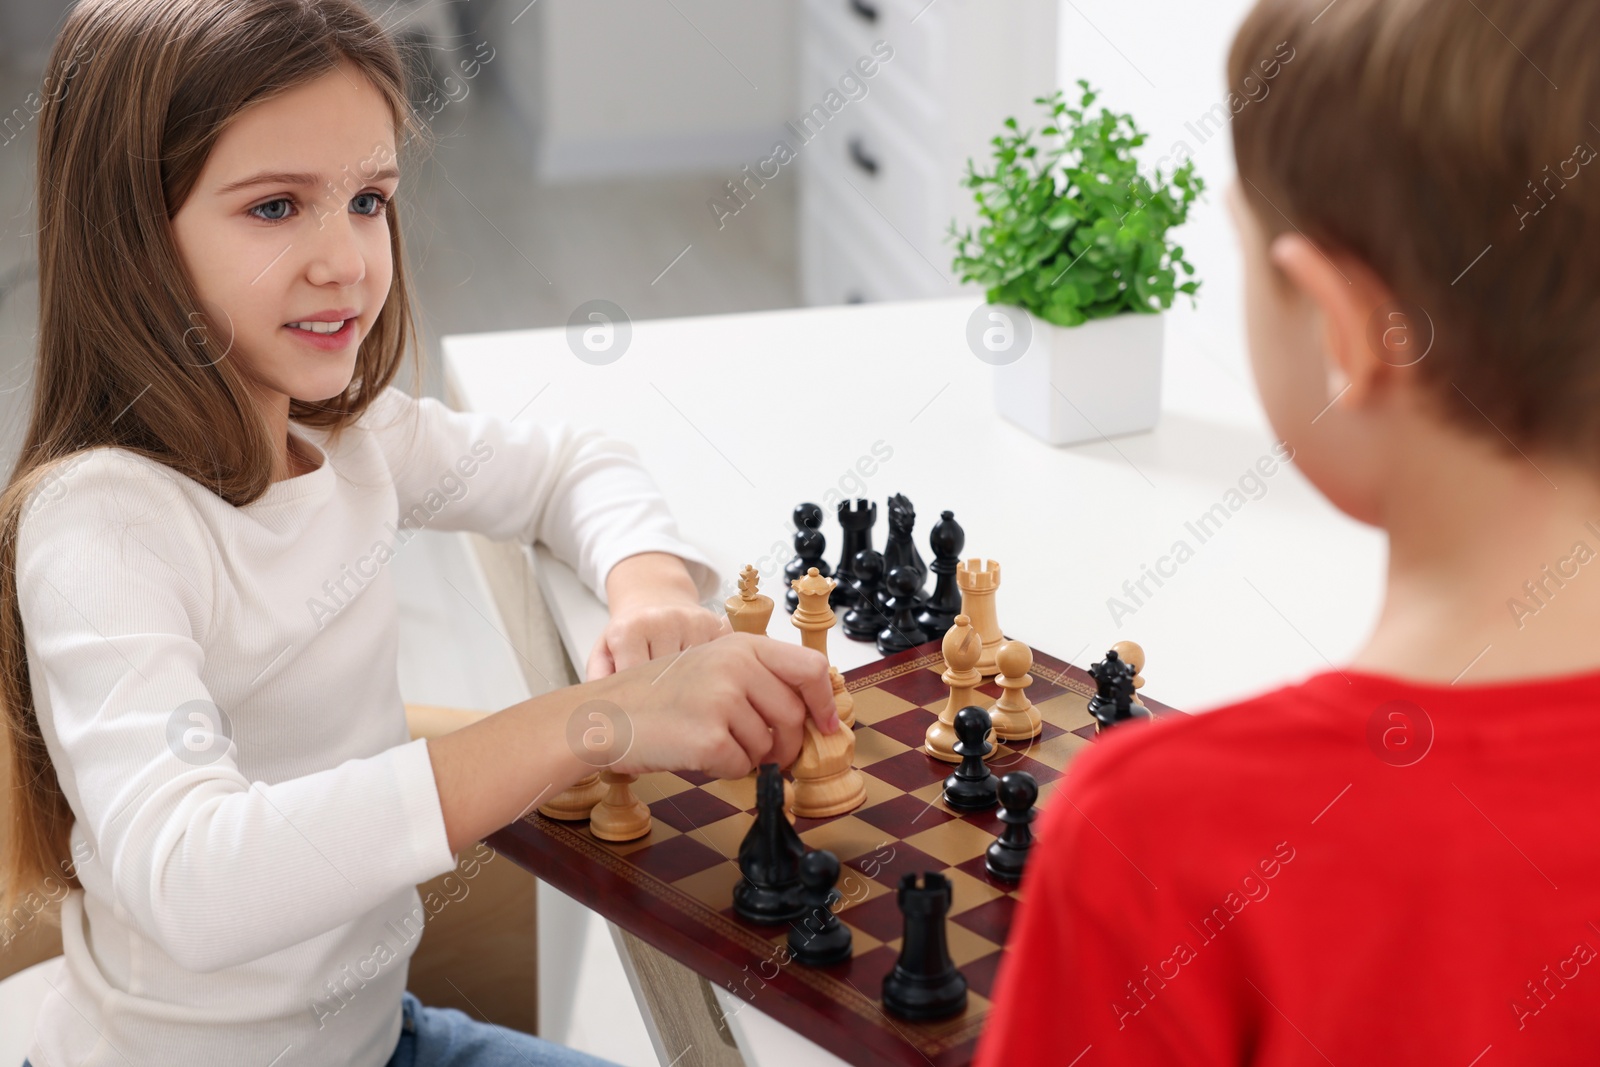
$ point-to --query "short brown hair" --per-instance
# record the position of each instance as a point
(1429, 139)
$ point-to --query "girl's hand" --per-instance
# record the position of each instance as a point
(720, 708)
(654, 613)
(640, 634)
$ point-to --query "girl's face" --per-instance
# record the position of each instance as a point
(288, 224)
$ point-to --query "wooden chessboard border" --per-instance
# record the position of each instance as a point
(869, 681)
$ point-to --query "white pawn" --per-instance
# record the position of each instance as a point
(1133, 655)
(1015, 717)
(620, 816)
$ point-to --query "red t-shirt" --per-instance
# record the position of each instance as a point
(1354, 870)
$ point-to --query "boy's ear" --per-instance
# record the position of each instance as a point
(1349, 298)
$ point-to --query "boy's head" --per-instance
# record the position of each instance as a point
(1419, 204)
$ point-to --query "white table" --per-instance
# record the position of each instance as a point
(740, 417)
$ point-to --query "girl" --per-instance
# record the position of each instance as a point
(197, 648)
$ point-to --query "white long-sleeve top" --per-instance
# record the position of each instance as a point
(250, 899)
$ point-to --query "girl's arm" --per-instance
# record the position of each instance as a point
(720, 708)
(583, 494)
(116, 587)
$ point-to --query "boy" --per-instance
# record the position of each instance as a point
(1393, 862)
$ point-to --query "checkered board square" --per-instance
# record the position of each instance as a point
(674, 887)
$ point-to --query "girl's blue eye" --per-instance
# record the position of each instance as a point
(380, 202)
(266, 207)
(370, 205)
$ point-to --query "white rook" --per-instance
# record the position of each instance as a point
(978, 579)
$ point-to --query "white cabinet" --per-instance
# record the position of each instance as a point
(881, 154)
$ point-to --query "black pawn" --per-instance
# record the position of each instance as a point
(971, 787)
(905, 597)
(924, 983)
(809, 544)
(819, 938)
(1005, 858)
(899, 550)
(947, 539)
(806, 517)
(863, 621)
(769, 858)
(856, 522)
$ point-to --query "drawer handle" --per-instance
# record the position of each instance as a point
(865, 10)
(859, 157)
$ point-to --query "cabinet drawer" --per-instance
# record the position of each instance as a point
(859, 148)
(849, 254)
(827, 56)
(858, 23)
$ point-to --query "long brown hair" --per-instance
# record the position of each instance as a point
(137, 94)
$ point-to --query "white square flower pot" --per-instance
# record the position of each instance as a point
(1076, 383)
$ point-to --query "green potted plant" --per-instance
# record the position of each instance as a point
(1072, 247)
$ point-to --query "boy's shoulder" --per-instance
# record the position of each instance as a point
(1257, 746)
(1296, 746)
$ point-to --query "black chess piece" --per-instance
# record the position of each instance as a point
(856, 522)
(924, 983)
(1105, 673)
(972, 786)
(863, 621)
(1122, 703)
(806, 517)
(1113, 693)
(903, 630)
(819, 939)
(809, 544)
(1005, 858)
(769, 858)
(947, 539)
(899, 550)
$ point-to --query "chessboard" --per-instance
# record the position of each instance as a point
(674, 887)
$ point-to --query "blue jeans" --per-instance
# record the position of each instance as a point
(445, 1037)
